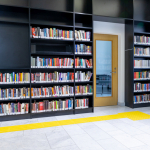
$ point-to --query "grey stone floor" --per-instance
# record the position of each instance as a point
(119, 134)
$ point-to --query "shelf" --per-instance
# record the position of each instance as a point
(50, 25)
(79, 13)
(142, 68)
(147, 45)
(52, 113)
(81, 82)
(14, 68)
(52, 83)
(52, 54)
(51, 10)
(85, 110)
(47, 98)
(141, 80)
(142, 92)
(15, 117)
(83, 41)
(2, 5)
(141, 105)
(87, 55)
(83, 95)
(17, 22)
(50, 69)
(146, 33)
(83, 68)
(80, 27)
(142, 56)
(7, 100)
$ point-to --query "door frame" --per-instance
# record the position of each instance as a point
(106, 101)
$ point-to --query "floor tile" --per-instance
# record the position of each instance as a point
(105, 126)
(145, 138)
(65, 117)
(73, 129)
(95, 132)
(128, 140)
(141, 148)
(72, 147)
(115, 132)
(47, 119)
(85, 142)
(111, 144)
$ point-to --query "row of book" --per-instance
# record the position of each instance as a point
(14, 108)
(13, 78)
(83, 63)
(83, 89)
(55, 91)
(54, 105)
(14, 93)
(52, 77)
(82, 76)
(141, 87)
(60, 77)
(82, 35)
(141, 99)
(142, 39)
(141, 63)
(51, 62)
(82, 103)
(142, 75)
(141, 51)
(51, 33)
(83, 49)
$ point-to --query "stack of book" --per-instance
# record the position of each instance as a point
(11, 78)
(83, 90)
(82, 35)
(51, 62)
(55, 91)
(14, 108)
(141, 87)
(55, 105)
(83, 63)
(142, 40)
(141, 99)
(82, 76)
(51, 33)
(83, 49)
(141, 51)
(14, 93)
(52, 77)
(81, 103)
(141, 63)
(142, 75)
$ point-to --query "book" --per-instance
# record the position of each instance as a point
(54, 105)
(54, 91)
(83, 49)
(14, 78)
(138, 87)
(82, 35)
(82, 76)
(52, 33)
(82, 103)
(14, 93)
(141, 98)
(142, 40)
(141, 51)
(14, 108)
(144, 75)
(141, 63)
(52, 77)
(84, 90)
(83, 63)
(39, 62)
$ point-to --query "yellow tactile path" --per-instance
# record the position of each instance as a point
(134, 115)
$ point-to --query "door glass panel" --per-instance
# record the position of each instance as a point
(103, 68)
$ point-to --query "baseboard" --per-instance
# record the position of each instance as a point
(121, 104)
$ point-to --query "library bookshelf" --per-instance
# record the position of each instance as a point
(17, 44)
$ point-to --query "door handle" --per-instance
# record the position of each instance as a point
(113, 72)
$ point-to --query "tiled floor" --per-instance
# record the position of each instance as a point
(118, 134)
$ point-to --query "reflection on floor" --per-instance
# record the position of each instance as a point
(116, 134)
